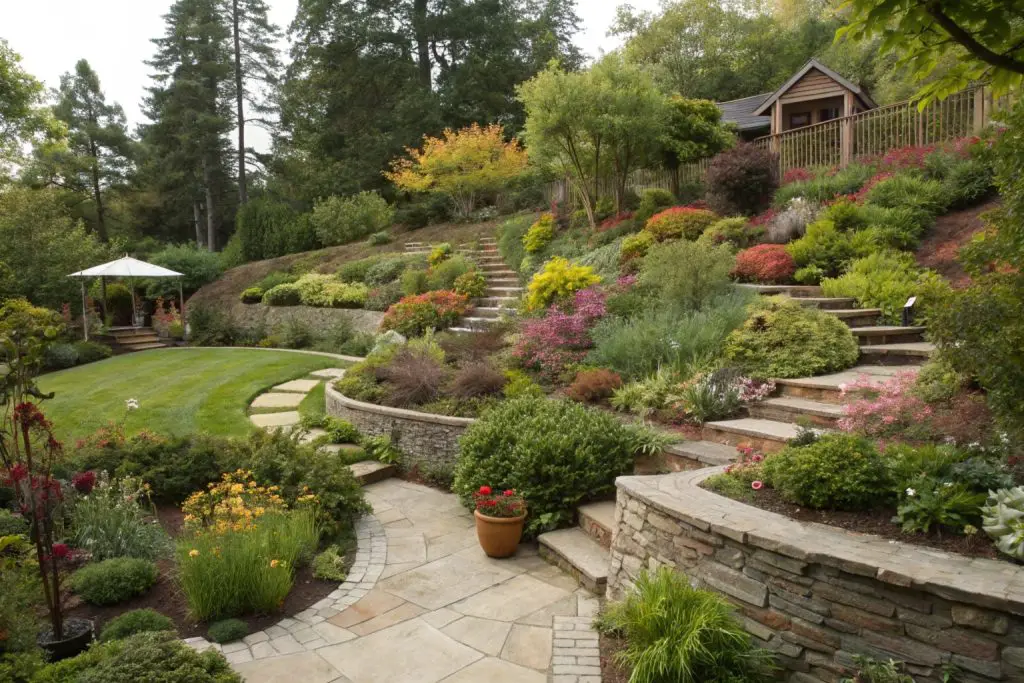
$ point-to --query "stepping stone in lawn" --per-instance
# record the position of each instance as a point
(312, 435)
(274, 420)
(329, 373)
(278, 400)
(302, 386)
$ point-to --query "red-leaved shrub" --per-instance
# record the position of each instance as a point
(795, 175)
(414, 315)
(479, 378)
(766, 264)
(680, 221)
(413, 378)
(594, 386)
(741, 180)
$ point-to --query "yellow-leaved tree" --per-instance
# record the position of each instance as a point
(461, 164)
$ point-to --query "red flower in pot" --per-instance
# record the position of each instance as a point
(499, 520)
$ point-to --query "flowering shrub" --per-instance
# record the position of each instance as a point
(795, 175)
(109, 521)
(886, 409)
(236, 502)
(764, 218)
(765, 263)
(83, 482)
(635, 246)
(540, 233)
(718, 395)
(439, 253)
(680, 221)
(562, 337)
(504, 504)
(472, 284)
(414, 315)
(557, 280)
(167, 319)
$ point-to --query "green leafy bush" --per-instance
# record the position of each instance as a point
(680, 221)
(635, 246)
(112, 581)
(687, 275)
(263, 225)
(444, 274)
(252, 295)
(12, 524)
(604, 260)
(472, 284)
(440, 253)
(135, 621)
(389, 269)
(741, 180)
(882, 280)
(275, 278)
(1003, 520)
(556, 281)
(325, 291)
(415, 281)
(823, 247)
(285, 294)
(934, 504)
(675, 632)
(782, 339)
(90, 352)
(198, 267)
(340, 220)
(356, 271)
(60, 355)
(736, 232)
(510, 239)
(329, 565)
(227, 630)
(652, 200)
(383, 297)
(906, 190)
(153, 657)
(968, 183)
(556, 454)
(839, 471)
(379, 239)
(539, 234)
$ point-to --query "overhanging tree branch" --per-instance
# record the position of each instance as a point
(960, 35)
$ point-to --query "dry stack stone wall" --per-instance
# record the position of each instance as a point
(816, 595)
(425, 439)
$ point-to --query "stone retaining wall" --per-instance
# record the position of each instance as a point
(427, 440)
(319, 319)
(816, 595)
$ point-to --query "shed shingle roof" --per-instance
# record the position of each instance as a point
(741, 112)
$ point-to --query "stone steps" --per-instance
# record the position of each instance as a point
(503, 291)
(493, 312)
(597, 520)
(857, 317)
(499, 302)
(688, 455)
(827, 303)
(793, 409)
(142, 346)
(828, 388)
(887, 334)
(767, 436)
(908, 353)
(795, 291)
(574, 551)
(370, 471)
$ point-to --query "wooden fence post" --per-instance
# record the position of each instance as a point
(980, 115)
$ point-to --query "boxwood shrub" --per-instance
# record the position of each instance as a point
(135, 621)
(782, 339)
(557, 454)
(112, 581)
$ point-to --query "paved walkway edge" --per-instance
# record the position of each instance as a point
(308, 630)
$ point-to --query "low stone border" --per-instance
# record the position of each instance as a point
(817, 595)
(424, 438)
(309, 629)
(575, 651)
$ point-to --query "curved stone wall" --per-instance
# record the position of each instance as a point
(425, 439)
(818, 595)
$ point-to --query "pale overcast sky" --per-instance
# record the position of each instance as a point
(114, 35)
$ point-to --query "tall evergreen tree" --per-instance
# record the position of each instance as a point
(191, 113)
(256, 68)
(99, 151)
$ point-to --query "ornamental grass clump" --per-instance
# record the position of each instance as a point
(674, 632)
(109, 521)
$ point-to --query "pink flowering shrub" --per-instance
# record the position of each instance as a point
(795, 175)
(561, 337)
(885, 409)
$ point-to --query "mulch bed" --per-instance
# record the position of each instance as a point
(167, 598)
(878, 522)
(939, 248)
(612, 672)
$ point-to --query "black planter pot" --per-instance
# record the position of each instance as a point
(78, 633)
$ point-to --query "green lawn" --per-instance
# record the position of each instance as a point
(180, 391)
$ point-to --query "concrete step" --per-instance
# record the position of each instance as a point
(370, 471)
(828, 388)
(888, 334)
(598, 521)
(793, 409)
(492, 312)
(912, 353)
(502, 281)
(795, 291)
(477, 321)
(767, 436)
(143, 346)
(688, 455)
(465, 330)
(503, 291)
(575, 552)
(138, 339)
(827, 302)
(504, 302)
(857, 317)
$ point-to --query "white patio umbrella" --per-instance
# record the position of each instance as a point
(125, 267)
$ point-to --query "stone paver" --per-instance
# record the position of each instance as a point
(273, 399)
(301, 386)
(274, 420)
(329, 373)
(423, 604)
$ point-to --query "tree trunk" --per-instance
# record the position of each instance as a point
(243, 192)
(419, 23)
(101, 222)
(211, 236)
(198, 217)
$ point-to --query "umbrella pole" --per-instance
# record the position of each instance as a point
(131, 285)
(85, 313)
(181, 300)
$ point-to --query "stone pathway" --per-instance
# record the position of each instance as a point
(424, 604)
(279, 405)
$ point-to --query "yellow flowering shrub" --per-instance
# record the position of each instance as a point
(540, 233)
(557, 280)
(236, 502)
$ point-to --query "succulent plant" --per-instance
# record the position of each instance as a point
(1003, 520)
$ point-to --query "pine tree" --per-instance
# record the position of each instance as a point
(99, 150)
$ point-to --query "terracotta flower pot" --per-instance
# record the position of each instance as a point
(499, 536)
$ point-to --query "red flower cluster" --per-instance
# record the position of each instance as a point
(614, 221)
(505, 504)
(29, 416)
(765, 264)
(84, 482)
(796, 175)
(764, 218)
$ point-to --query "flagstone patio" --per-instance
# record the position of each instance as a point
(440, 611)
